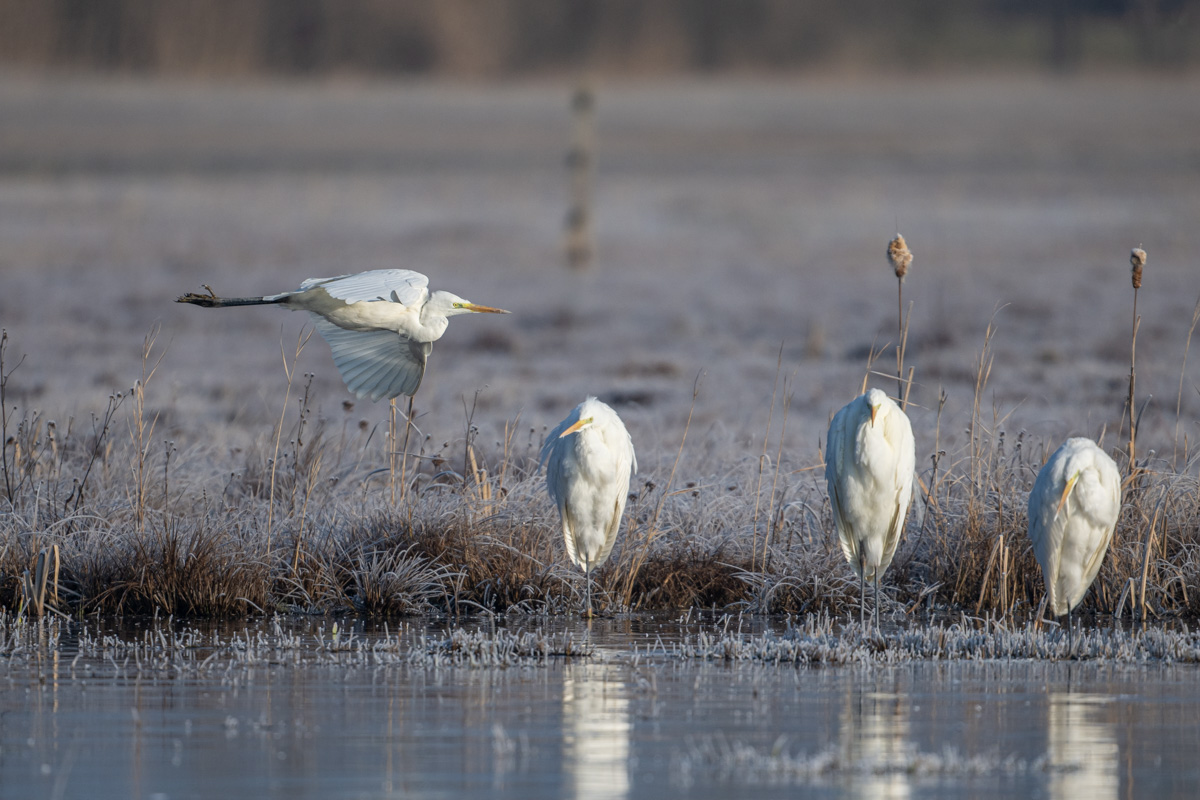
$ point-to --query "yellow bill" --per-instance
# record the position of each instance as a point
(578, 426)
(1062, 501)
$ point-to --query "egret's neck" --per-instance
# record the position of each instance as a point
(432, 321)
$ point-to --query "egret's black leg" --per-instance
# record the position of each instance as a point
(877, 600)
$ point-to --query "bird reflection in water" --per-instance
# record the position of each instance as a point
(596, 728)
(875, 744)
(1083, 747)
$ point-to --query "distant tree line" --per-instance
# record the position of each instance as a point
(515, 37)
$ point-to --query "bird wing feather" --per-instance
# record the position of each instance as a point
(1109, 475)
(392, 285)
(375, 364)
(835, 456)
(1046, 528)
(898, 431)
(564, 513)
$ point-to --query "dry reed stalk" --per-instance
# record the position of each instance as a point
(139, 433)
(1146, 546)
(639, 557)
(787, 404)
(314, 470)
(762, 459)
(900, 258)
(1137, 258)
(290, 371)
(983, 371)
(479, 476)
(1182, 371)
(34, 589)
(408, 426)
(10, 489)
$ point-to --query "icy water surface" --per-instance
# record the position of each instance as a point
(632, 719)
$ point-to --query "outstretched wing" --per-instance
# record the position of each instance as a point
(375, 364)
(394, 285)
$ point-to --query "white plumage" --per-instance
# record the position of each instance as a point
(869, 459)
(588, 459)
(1073, 510)
(380, 325)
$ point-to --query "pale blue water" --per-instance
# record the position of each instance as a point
(616, 725)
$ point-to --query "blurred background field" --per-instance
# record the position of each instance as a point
(750, 167)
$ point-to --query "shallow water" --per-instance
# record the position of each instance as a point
(629, 721)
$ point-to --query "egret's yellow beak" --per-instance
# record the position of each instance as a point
(1062, 501)
(874, 411)
(578, 426)
(484, 309)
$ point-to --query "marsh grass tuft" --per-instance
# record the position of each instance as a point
(299, 520)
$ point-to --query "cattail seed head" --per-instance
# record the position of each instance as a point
(1137, 257)
(899, 256)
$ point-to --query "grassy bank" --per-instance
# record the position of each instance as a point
(102, 515)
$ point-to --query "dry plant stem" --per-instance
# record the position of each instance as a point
(139, 433)
(4, 376)
(902, 342)
(1182, 371)
(1146, 545)
(983, 371)
(787, 404)
(763, 457)
(651, 527)
(290, 371)
(314, 471)
(1132, 383)
(408, 426)
(391, 448)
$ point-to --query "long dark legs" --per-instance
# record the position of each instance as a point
(1070, 636)
(877, 600)
(587, 576)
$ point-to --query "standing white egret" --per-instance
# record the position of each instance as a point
(869, 460)
(380, 325)
(1073, 512)
(588, 459)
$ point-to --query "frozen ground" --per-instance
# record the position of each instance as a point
(733, 218)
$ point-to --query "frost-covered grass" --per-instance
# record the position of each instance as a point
(203, 472)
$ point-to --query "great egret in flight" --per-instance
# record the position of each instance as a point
(1073, 512)
(380, 325)
(869, 460)
(588, 459)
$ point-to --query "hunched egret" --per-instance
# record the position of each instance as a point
(1073, 510)
(869, 460)
(380, 325)
(588, 460)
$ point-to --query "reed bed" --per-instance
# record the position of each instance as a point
(104, 516)
(100, 517)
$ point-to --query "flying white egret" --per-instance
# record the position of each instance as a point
(1073, 512)
(588, 459)
(380, 325)
(869, 460)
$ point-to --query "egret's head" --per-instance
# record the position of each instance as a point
(1062, 501)
(451, 304)
(876, 401)
(578, 426)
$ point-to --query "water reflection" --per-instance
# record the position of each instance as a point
(596, 728)
(1083, 747)
(875, 744)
